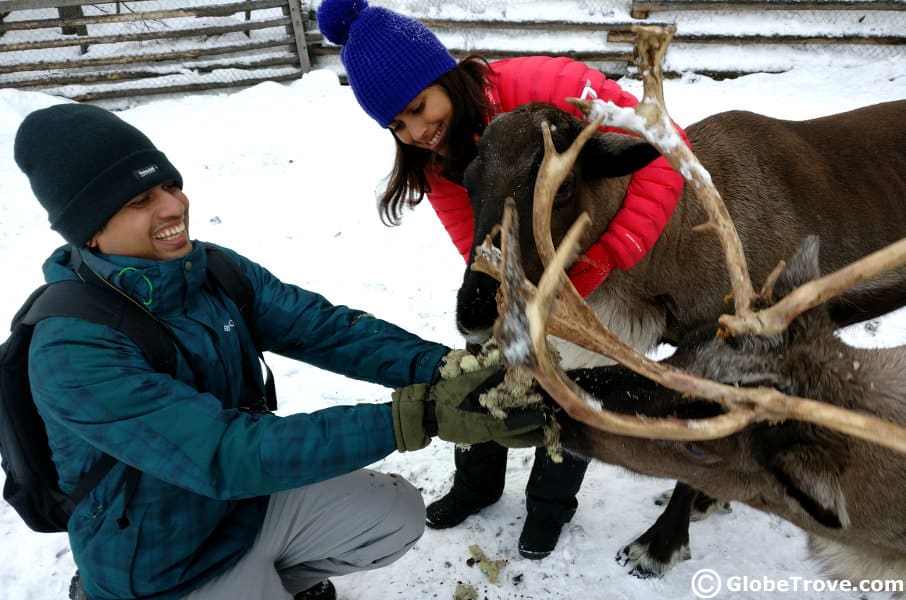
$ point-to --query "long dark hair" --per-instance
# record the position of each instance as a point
(407, 185)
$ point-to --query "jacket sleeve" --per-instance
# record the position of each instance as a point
(451, 203)
(650, 200)
(647, 207)
(97, 395)
(653, 190)
(552, 80)
(305, 326)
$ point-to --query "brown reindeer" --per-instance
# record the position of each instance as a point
(841, 177)
(846, 493)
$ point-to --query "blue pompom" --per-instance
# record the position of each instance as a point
(336, 16)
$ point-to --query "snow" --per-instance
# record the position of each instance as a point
(287, 174)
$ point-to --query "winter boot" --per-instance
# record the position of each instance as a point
(75, 588)
(451, 510)
(539, 537)
(320, 591)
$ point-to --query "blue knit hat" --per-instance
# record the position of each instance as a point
(84, 164)
(389, 58)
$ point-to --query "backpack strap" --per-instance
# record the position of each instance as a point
(225, 274)
(98, 304)
(104, 307)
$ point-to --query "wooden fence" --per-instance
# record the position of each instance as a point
(121, 49)
(642, 9)
(93, 51)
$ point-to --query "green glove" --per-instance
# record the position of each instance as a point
(451, 410)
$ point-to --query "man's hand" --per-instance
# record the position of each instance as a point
(452, 411)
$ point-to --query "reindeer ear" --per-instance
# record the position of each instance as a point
(615, 155)
(803, 266)
(811, 478)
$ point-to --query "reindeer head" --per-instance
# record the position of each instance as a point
(793, 469)
(509, 155)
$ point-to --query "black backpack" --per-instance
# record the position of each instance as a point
(31, 486)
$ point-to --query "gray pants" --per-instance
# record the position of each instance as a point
(355, 522)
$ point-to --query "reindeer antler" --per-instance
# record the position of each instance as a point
(526, 314)
(650, 120)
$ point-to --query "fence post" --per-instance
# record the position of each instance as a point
(295, 15)
(72, 12)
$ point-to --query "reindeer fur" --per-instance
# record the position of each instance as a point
(846, 493)
(841, 177)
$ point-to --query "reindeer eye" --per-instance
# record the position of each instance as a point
(695, 451)
(699, 454)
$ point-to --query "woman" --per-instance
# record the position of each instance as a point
(436, 109)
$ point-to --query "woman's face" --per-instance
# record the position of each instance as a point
(425, 121)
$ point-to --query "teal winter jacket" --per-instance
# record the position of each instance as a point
(206, 467)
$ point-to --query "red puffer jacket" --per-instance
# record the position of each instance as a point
(650, 198)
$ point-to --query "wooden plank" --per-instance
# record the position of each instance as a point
(768, 39)
(295, 12)
(203, 86)
(71, 13)
(222, 10)
(533, 25)
(145, 36)
(49, 80)
(604, 55)
(145, 58)
(10, 5)
(588, 56)
(641, 9)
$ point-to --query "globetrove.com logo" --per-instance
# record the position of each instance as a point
(707, 583)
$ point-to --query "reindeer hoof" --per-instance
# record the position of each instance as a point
(644, 565)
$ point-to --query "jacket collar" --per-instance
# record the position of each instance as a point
(160, 286)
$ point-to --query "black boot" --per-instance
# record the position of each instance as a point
(75, 588)
(320, 591)
(451, 510)
(550, 502)
(539, 537)
(479, 479)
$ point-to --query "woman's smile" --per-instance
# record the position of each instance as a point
(436, 138)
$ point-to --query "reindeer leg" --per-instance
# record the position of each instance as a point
(704, 505)
(655, 552)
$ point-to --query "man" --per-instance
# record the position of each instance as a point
(229, 503)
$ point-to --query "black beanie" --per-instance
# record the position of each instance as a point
(84, 164)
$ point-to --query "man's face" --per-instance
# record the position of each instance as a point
(153, 225)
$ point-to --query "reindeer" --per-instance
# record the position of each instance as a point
(730, 423)
(809, 473)
(842, 178)
(846, 493)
